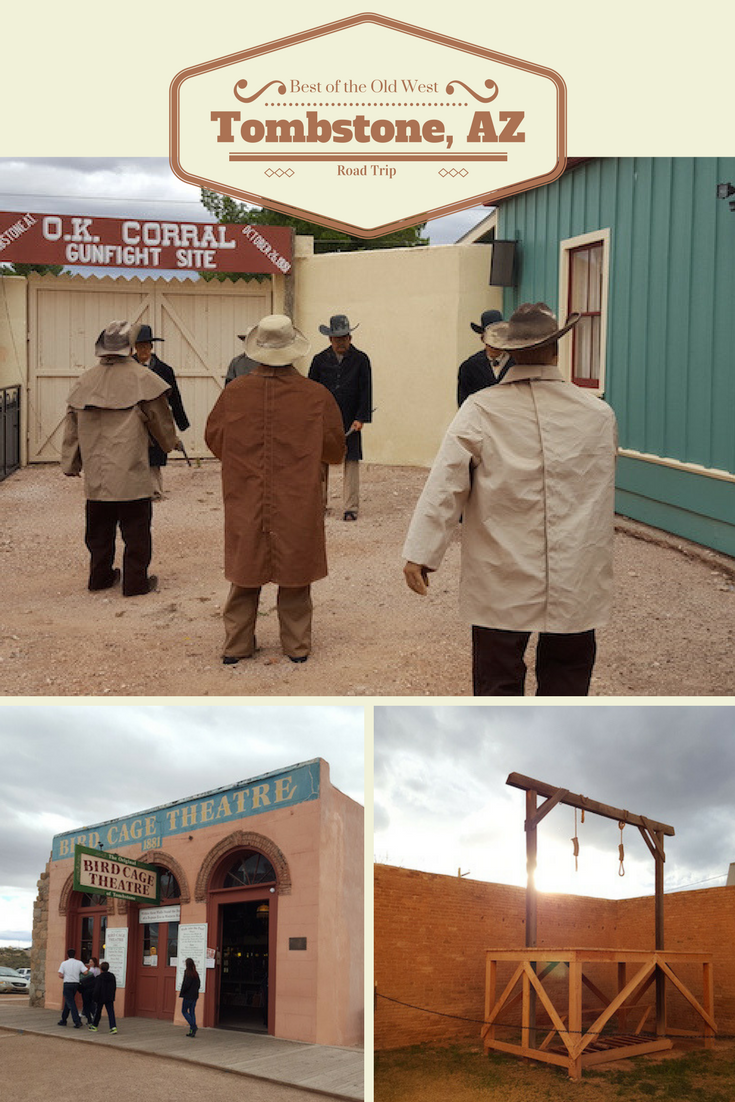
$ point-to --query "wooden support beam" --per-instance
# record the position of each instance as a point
(597, 1026)
(491, 983)
(655, 845)
(528, 784)
(709, 1004)
(546, 807)
(529, 1020)
(556, 1021)
(705, 1015)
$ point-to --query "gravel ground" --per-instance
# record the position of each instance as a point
(673, 632)
(39, 1069)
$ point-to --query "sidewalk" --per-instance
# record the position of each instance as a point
(332, 1071)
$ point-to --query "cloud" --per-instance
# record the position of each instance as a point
(440, 778)
(136, 187)
(70, 766)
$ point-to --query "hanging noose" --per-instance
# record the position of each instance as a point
(621, 849)
(575, 841)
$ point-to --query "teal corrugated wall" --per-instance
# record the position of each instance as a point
(670, 373)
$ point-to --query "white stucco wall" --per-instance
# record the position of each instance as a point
(414, 307)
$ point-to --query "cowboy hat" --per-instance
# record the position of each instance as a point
(339, 326)
(488, 317)
(276, 341)
(143, 334)
(531, 325)
(115, 340)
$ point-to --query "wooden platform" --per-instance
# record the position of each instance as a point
(564, 1039)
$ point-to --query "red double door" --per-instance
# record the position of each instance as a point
(155, 969)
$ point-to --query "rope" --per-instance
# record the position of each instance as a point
(539, 1025)
(575, 841)
(621, 849)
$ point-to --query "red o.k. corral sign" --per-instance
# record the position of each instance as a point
(70, 239)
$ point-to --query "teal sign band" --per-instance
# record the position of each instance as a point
(149, 829)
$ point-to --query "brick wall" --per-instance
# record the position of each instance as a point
(701, 921)
(431, 933)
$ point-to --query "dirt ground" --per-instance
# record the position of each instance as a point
(673, 632)
(464, 1074)
(37, 1069)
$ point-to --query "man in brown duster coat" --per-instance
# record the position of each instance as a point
(273, 429)
(114, 410)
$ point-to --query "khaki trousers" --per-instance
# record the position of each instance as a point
(350, 485)
(294, 607)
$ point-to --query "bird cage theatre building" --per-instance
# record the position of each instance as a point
(261, 883)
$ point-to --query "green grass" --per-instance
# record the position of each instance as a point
(703, 1075)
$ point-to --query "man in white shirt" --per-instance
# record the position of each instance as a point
(70, 971)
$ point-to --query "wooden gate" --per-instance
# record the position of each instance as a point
(198, 321)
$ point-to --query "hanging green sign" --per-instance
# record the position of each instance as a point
(109, 874)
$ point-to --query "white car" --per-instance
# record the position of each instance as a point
(12, 981)
(24, 972)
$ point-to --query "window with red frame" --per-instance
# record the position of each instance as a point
(585, 297)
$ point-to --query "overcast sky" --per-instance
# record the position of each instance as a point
(442, 802)
(68, 766)
(142, 187)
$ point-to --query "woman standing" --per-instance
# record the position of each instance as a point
(190, 993)
(86, 985)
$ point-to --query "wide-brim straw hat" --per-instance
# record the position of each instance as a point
(533, 324)
(276, 341)
(115, 340)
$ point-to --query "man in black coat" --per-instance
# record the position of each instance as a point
(104, 995)
(145, 355)
(345, 371)
(486, 367)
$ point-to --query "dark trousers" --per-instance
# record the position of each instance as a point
(110, 1008)
(70, 1003)
(563, 662)
(134, 518)
(88, 1004)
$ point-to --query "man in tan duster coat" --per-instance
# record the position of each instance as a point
(113, 411)
(529, 464)
(273, 429)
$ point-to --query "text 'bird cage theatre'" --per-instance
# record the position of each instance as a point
(260, 883)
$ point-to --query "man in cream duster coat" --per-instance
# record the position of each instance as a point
(113, 411)
(529, 466)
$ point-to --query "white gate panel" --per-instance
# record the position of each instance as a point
(198, 321)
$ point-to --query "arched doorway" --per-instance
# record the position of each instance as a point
(155, 935)
(86, 917)
(86, 923)
(242, 909)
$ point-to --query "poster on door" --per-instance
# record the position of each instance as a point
(193, 943)
(116, 953)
